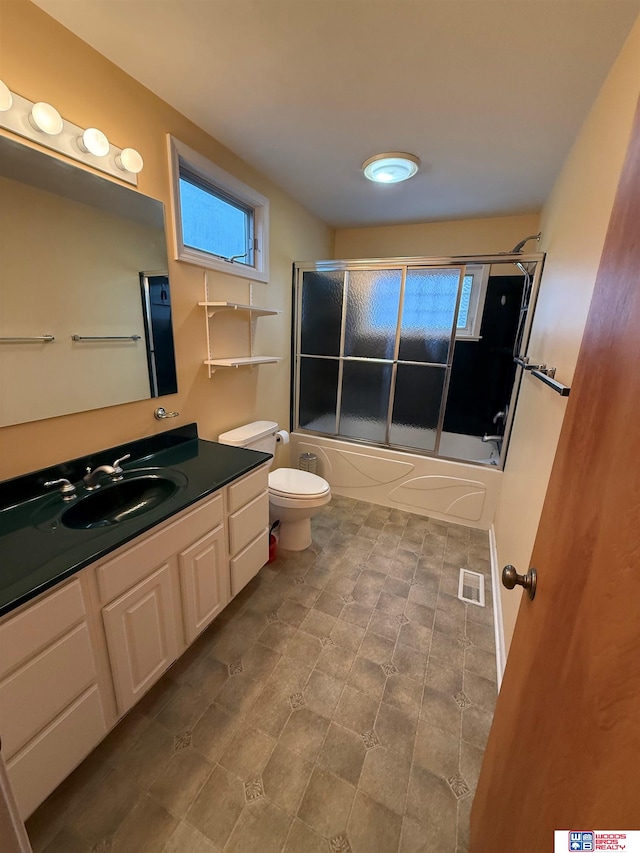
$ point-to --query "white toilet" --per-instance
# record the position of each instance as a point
(294, 496)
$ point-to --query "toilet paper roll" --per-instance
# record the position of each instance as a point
(282, 436)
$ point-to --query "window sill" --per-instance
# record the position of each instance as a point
(202, 259)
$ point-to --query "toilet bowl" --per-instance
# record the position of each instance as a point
(294, 496)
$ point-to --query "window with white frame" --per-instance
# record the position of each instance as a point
(474, 291)
(219, 222)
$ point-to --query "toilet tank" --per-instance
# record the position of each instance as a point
(259, 435)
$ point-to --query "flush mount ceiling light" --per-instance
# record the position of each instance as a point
(390, 167)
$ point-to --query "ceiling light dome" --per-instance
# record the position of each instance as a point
(390, 167)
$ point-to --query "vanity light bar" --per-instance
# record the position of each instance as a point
(42, 123)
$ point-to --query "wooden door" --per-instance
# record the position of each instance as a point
(204, 581)
(141, 636)
(564, 747)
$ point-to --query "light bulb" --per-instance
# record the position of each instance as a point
(45, 118)
(130, 160)
(94, 142)
(6, 98)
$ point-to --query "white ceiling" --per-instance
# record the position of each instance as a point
(490, 94)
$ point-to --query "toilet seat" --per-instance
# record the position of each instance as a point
(301, 485)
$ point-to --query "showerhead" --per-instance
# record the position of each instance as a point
(517, 249)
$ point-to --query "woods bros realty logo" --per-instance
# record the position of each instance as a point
(590, 841)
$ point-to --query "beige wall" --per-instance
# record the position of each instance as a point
(437, 239)
(574, 224)
(41, 60)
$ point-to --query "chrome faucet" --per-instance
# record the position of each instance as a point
(67, 489)
(497, 438)
(114, 471)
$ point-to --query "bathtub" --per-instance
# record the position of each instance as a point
(439, 488)
(469, 447)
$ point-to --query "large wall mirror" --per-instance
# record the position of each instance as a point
(85, 306)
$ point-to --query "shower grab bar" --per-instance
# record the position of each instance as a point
(547, 376)
(105, 337)
(45, 338)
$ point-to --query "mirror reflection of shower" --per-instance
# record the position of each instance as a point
(416, 354)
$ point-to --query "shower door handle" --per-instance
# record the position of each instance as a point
(511, 579)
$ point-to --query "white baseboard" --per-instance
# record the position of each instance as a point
(498, 625)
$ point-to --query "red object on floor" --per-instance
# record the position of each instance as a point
(273, 547)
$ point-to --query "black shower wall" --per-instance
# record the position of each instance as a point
(483, 371)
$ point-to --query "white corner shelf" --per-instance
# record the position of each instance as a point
(212, 307)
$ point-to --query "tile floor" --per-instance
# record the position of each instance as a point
(340, 703)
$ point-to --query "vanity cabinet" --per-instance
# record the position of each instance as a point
(51, 709)
(74, 660)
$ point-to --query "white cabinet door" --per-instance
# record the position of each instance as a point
(204, 581)
(141, 636)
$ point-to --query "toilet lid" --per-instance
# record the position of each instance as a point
(290, 481)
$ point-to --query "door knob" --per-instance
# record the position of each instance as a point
(511, 578)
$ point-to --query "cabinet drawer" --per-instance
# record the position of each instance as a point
(247, 488)
(246, 523)
(24, 635)
(123, 572)
(54, 753)
(37, 692)
(249, 562)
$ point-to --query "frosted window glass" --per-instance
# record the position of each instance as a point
(373, 298)
(416, 406)
(318, 394)
(365, 400)
(215, 224)
(428, 313)
(322, 294)
(465, 300)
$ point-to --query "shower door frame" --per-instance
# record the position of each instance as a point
(402, 264)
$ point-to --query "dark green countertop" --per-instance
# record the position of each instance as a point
(37, 551)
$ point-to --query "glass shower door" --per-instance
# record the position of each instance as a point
(374, 349)
(427, 331)
(370, 331)
(318, 344)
